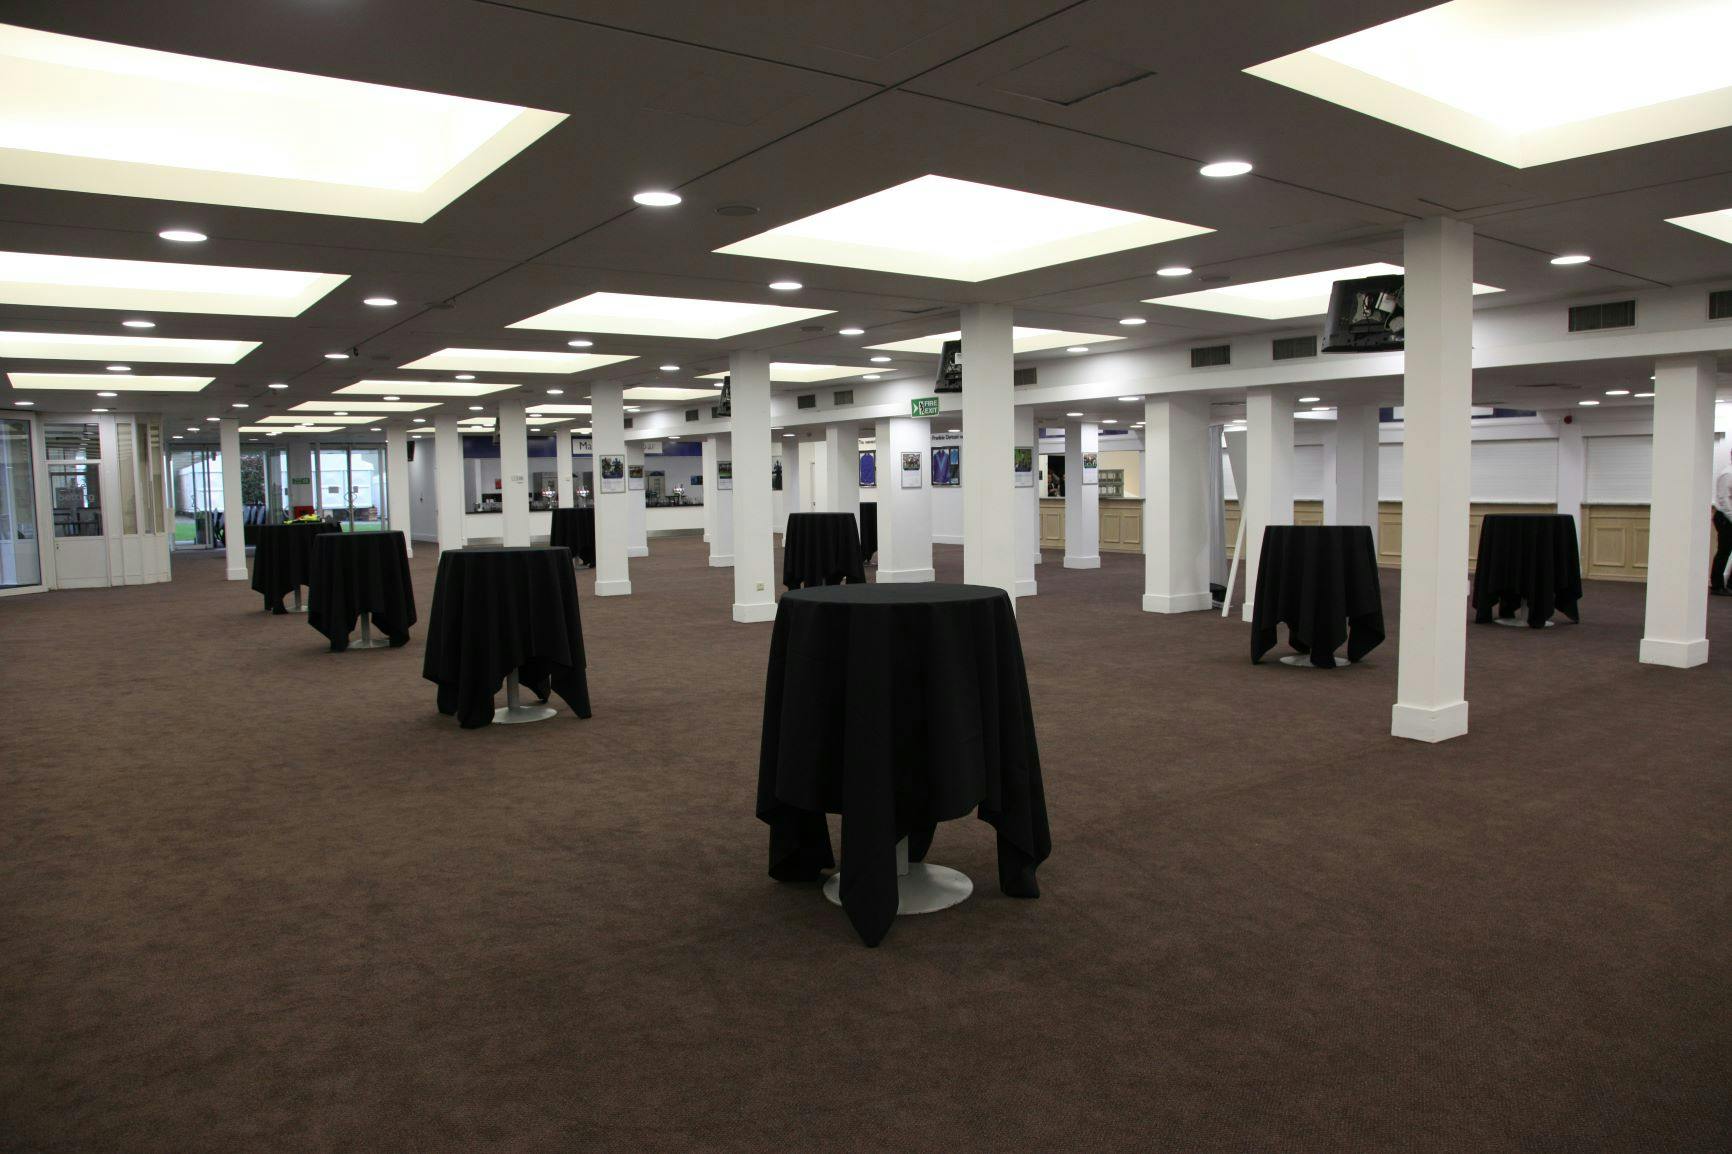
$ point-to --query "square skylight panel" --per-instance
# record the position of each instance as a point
(1305, 295)
(98, 347)
(937, 226)
(795, 372)
(512, 361)
(1022, 340)
(649, 316)
(669, 393)
(29, 278)
(1534, 82)
(317, 419)
(368, 406)
(275, 429)
(575, 409)
(1713, 224)
(113, 382)
(90, 116)
(425, 388)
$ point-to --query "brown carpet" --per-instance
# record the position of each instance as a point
(258, 897)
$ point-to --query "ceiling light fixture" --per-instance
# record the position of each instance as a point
(139, 324)
(1173, 270)
(99, 410)
(108, 394)
(1309, 400)
(1282, 298)
(851, 331)
(418, 420)
(472, 361)
(476, 408)
(380, 302)
(103, 347)
(1133, 321)
(276, 385)
(182, 235)
(581, 344)
(670, 368)
(634, 314)
(1022, 340)
(387, 397)
(1077, 349)
(1073, 414)
(336, 356)
(464, 377)
(880, 360)
(120, 368)
(375, 429)
(124, 382)
(870, 377)
(32, 278)
(656, 198)
(1128, 399)
(1587, 402)
(786, 286)
(338, 413)
(240, 405)
(1109, 420)
(213, 418)
(1572, 258)
(1644, 394)
(1223, 168)
(1617, 392)
(556, 392)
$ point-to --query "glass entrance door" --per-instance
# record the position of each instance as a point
(351, 486)
(198, 479)
(20, 548)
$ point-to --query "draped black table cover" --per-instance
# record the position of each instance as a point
(1321, 582)
(283, 559)
(356, 573)
(1531, 559)
(868, 530)
(575, 529)
(500, 609)
(897, 706)
(821, 549)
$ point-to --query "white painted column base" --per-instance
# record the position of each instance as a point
(755, 611)
(905, 576)
(1177, 602)
(1082, 562)
(1677, 654)
(1246, 612)
(721, 560)
(1025, 587)
(637, 551)
(616, 588)
(1432, 724)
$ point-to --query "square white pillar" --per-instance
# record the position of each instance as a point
(791, 486)
(1026, 506)
(637, 536)
(1437, 395)
(513, 473)
(234, 505)
(1175, 503)
(1350, 467)
(612, 523)
(1268, 496)
(718, 448)
(1082, 502)
(1572, 472)
(904, 515)
(842, 470)
(708, 472)
(448, 480)
(400, 502)
(1675, 628)
(566, 491)
(989, 426)
(754, 542)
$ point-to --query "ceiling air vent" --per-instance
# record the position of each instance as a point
(1611, 315)
(807, 401)
(1211, 355)
(691, 414)
(628, 422)
(1720, 305)
(1023, 376)
(842, 397)
(1292, 348)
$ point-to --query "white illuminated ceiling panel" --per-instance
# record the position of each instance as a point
(792, 372)
(1715, 224)
(370, 406)
(1533, 82)
(512, 361)
(669, 393)
(1305, 295)
(575, 409)
(114, 382)
(317, 419)
(958, 230)
(649, 316)
(273, 430)
(29, 278)
(90, 116)
(425, 388)
(533, 422)
(1022, 340)
(94, 347)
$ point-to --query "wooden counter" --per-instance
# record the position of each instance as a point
(1121, 524)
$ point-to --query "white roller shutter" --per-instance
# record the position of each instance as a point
(1620, 470)
(1389, 472)
(1517, 471)
(1307, 472)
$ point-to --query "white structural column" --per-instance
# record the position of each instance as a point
(448, 480)
(1268, 496)
(1082, 503)
(234, 505)
(719, 448)
(791, 486)
(637, 538)
(904, 515)
(1572, 471)
(754, 544)
(612, 525)
(1025, 505)
(513, 473)
(1675, 630)
(711, 500)
(989, 426)
(1175, 503)
(842, 470)
(400, 503)
(1350, 468)
(1437, 395)
(567, 492)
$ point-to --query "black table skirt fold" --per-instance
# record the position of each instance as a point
(1527, 559)
(356, 573)
(897, 706)
(574, 529)
(868, 530)
(498, 610)
(821, 549)
(1321, 582)
(283, 559)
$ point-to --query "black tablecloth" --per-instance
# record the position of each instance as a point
(356, 573)
(575, 529)
(897, 706)
(1318, 580)
(283, 559)
(496, 610)
(1531, 559)
(821, 549)
(868, 530)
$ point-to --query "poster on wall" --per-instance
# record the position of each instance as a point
(775, 476)
(724, 474)
(911, 470)
(726, 406)
(1091, 469)
(1023, 466)
(634, 477)
(947, 465)
(612, 474)
(869, 469)
(950, 369)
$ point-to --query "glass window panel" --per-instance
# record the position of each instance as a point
(332, 498)
(76, 493)
(73, 441)
(20, 552)
(367, 488)
(128, 463)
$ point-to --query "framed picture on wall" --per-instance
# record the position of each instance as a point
(869, 469)
(612, 474)
(724, 474)
(1022, 466)
(911, 470)
(1091, 468)
(947, 465)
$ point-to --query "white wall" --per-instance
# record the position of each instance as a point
(423, 493)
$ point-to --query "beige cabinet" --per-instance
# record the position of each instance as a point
(1121, 524)
(1615, 542)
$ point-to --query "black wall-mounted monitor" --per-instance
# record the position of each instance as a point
(1365, 315)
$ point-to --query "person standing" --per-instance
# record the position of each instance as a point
(1723, 531)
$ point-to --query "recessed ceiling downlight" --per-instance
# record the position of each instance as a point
(183, 235)
(657, 198)
(1572, 258)
(1223, 168)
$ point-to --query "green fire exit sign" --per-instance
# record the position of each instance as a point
(923, 407)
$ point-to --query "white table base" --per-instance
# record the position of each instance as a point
(920, 888)
(1303, 661)
(517, 713)
(368, 641)
(298, 606)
